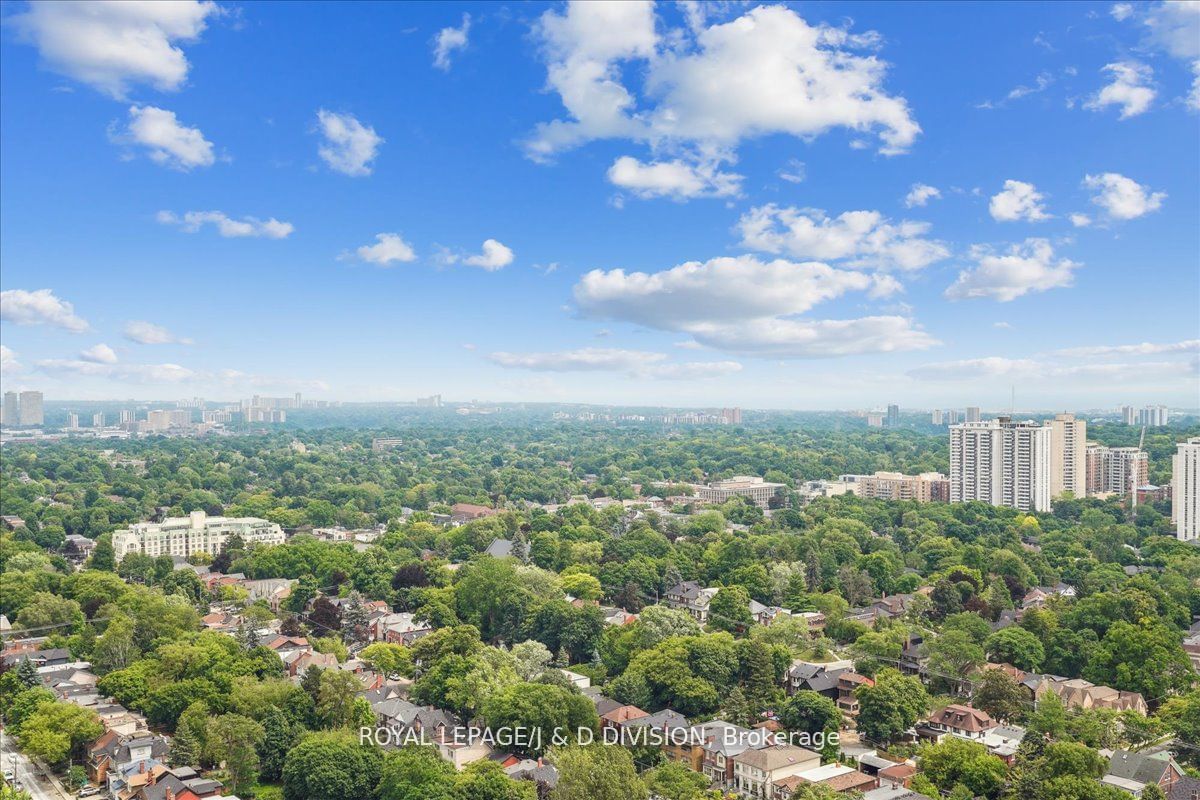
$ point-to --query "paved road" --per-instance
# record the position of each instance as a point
(38, 785)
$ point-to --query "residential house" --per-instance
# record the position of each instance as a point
(816, 677)
(1078, 693)
(962, 721)
(1133, 772)
(466, 512)
(1003, 741)
(847, 683)
(691, 597)
(499, 548)
(838, 777)
(757, 772)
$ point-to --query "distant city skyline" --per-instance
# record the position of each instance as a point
(459, 206)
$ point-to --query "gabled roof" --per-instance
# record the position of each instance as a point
(963, 718)
(1140, 767)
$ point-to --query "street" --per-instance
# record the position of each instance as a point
(38, 786)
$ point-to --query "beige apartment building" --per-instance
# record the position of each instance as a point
(928, 487)
(1068, 462)
(751, 487)
(195, 533)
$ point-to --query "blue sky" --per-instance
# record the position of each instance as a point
(810, 205)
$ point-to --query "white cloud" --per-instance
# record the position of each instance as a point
(99, 354)
(349, 145)
(767, 72)
(1023, 268)
(747, 306)
(1018, 200)
(494, 256)
(797, 338)
(1175, 27)
(1080, 220)
(722, 289)
(794, 171)
(388, 248)
(169, 142)
(1121, 11)
(8, 361)
(144, 332)
(1129, 89)
(921, 194)
(113, 45)
(126, 373)
(676, 179)
(192, 221)
(637, 363)
(1142, 349)
(39, 307)
(1004, 326)
(974, 368)
(448, 41)
(1121, 197)
(864, 238)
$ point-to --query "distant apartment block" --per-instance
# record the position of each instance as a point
(875, 419)
(924, 488)
(98, 420)
(433, 401)
(127, 416)
(731, 416)
(1150, 416)
(271, 415)
(386, 443)
(935, 418)
(972, 414)
(27, 408)
(753, 488)
(11, 412)
(195, 533)
(893, 415)
(164, 419)
(1068, 441)
(72, 420)
(1185, 490)
(1115, 469)
(1128, 415)
(1002, 463)
(951, 417)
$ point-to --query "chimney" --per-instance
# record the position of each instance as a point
(541, 763)
(170, 793)
(141, 767)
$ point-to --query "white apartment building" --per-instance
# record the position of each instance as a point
(1185, 490)
(164, 419)
(1002, 463)
(972, 414)
(750, 487)
(935, 417)
(1068, 460)
(1128, 415)
(11, 414)
(195, 533)
(1151, 416)
(31, 409)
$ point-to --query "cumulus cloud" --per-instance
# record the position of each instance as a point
(1080, 220)
(708, 88)
(1141, 349)
(1121, 11)
(39, 307)
(493, 257)
(228, 227)
(1129, 88)
(1018, 201)
(349, 146)
(744, 305)
(168, 142)
(1175, 28)
(863, 238)
(449, 41)
(722, 289)
(8, 361)
(636, 363)
(676, 179)
(921, 194)
(144, 332)
(114, 45)
(1005, 276)
(99, 354)
(1123, 198)
(388, 249)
